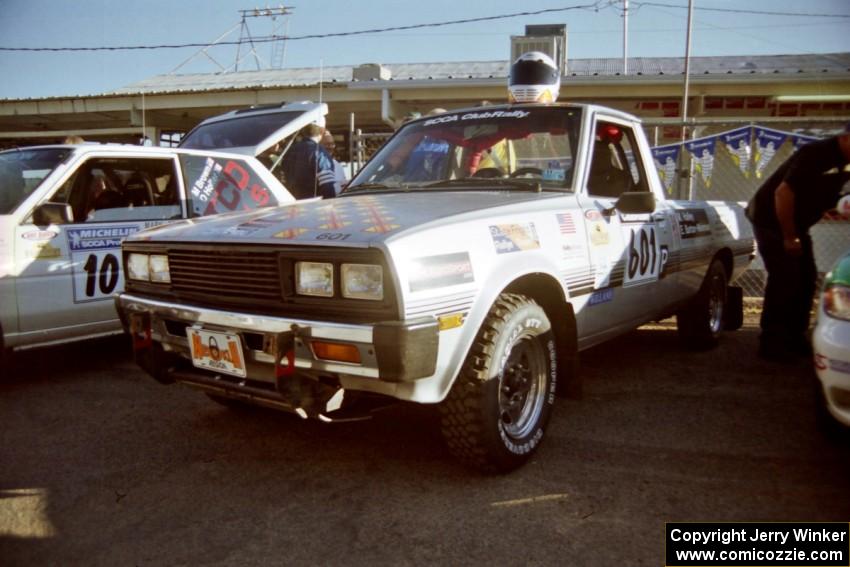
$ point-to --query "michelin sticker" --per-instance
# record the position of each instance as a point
(95, 257)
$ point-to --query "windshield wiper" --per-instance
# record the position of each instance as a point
(373, 186)
(524, 183)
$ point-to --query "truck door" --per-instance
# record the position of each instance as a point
(628, 252)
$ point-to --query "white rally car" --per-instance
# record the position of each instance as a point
(466, 265)
(65, 209)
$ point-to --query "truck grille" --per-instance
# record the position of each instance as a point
(226, 274)
(260, 279)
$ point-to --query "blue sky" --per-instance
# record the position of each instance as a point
(653, 31)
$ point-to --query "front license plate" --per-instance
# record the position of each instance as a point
(219, 352)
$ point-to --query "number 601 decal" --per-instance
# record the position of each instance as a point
(646, 258)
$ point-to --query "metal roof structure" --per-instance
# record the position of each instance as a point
(831, 63)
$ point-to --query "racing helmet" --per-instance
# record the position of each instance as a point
(534, 78)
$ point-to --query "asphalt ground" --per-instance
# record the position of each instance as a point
(100, 465)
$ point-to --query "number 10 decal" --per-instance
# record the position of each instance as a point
(98, 277)
(646, 259)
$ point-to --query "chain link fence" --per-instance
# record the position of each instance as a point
(734, 179)
(731, 177)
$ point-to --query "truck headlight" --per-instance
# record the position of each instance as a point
(836, 301)
(159, 268)
(314, 278)
(138, 267)
(362, 281)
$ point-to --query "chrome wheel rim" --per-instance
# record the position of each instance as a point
(522, 388)
(716, 302)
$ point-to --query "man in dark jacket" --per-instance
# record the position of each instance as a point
(308, 168)
(788, 203)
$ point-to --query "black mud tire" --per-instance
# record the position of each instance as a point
(701, 321)
(6, 367)
(496, 413)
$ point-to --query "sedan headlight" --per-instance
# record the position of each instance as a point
(138, 267)
(836, 301)
(159, 268)
(314, 278)
(362, 281)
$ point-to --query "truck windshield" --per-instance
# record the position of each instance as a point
(21, 171)
(465, 149)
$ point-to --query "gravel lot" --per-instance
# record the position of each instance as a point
(100, 465)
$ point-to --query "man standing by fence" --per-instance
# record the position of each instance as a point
(787, 204)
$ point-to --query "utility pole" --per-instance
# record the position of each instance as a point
(687, 67)
(625, 37)
(685, 94)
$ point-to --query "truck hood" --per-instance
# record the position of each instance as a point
(355, 221)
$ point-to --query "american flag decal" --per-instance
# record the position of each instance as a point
(565, 222)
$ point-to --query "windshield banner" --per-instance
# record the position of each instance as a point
(703, 150)
(739, 144)
(666, 159)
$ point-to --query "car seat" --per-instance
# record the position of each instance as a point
(138, 190)
(110, 199)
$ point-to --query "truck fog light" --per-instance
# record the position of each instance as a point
(159, 268)
(314, 278)
(362, 281)
(138, 267)
(339, 352)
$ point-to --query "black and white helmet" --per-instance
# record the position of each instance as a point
(534, 78)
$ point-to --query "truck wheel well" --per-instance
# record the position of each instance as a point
(725, 256)
(549, 295)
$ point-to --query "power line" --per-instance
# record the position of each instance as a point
(594, 6)
(742, 11)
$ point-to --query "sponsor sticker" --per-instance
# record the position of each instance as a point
(44, 251)
(514, 237)
(431, 272)
(98, 238)
(39, 235)
(693, 223)
(601, 296)
(599, 234)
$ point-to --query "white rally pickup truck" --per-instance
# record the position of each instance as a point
(466, 265)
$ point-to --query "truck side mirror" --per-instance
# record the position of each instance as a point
(52, 213)
(636, 202)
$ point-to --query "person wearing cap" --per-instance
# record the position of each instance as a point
(782, 211)
(308, 168)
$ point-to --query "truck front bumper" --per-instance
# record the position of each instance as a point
(389, 352)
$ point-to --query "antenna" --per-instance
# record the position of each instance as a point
(278, 54)
(244, 33)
